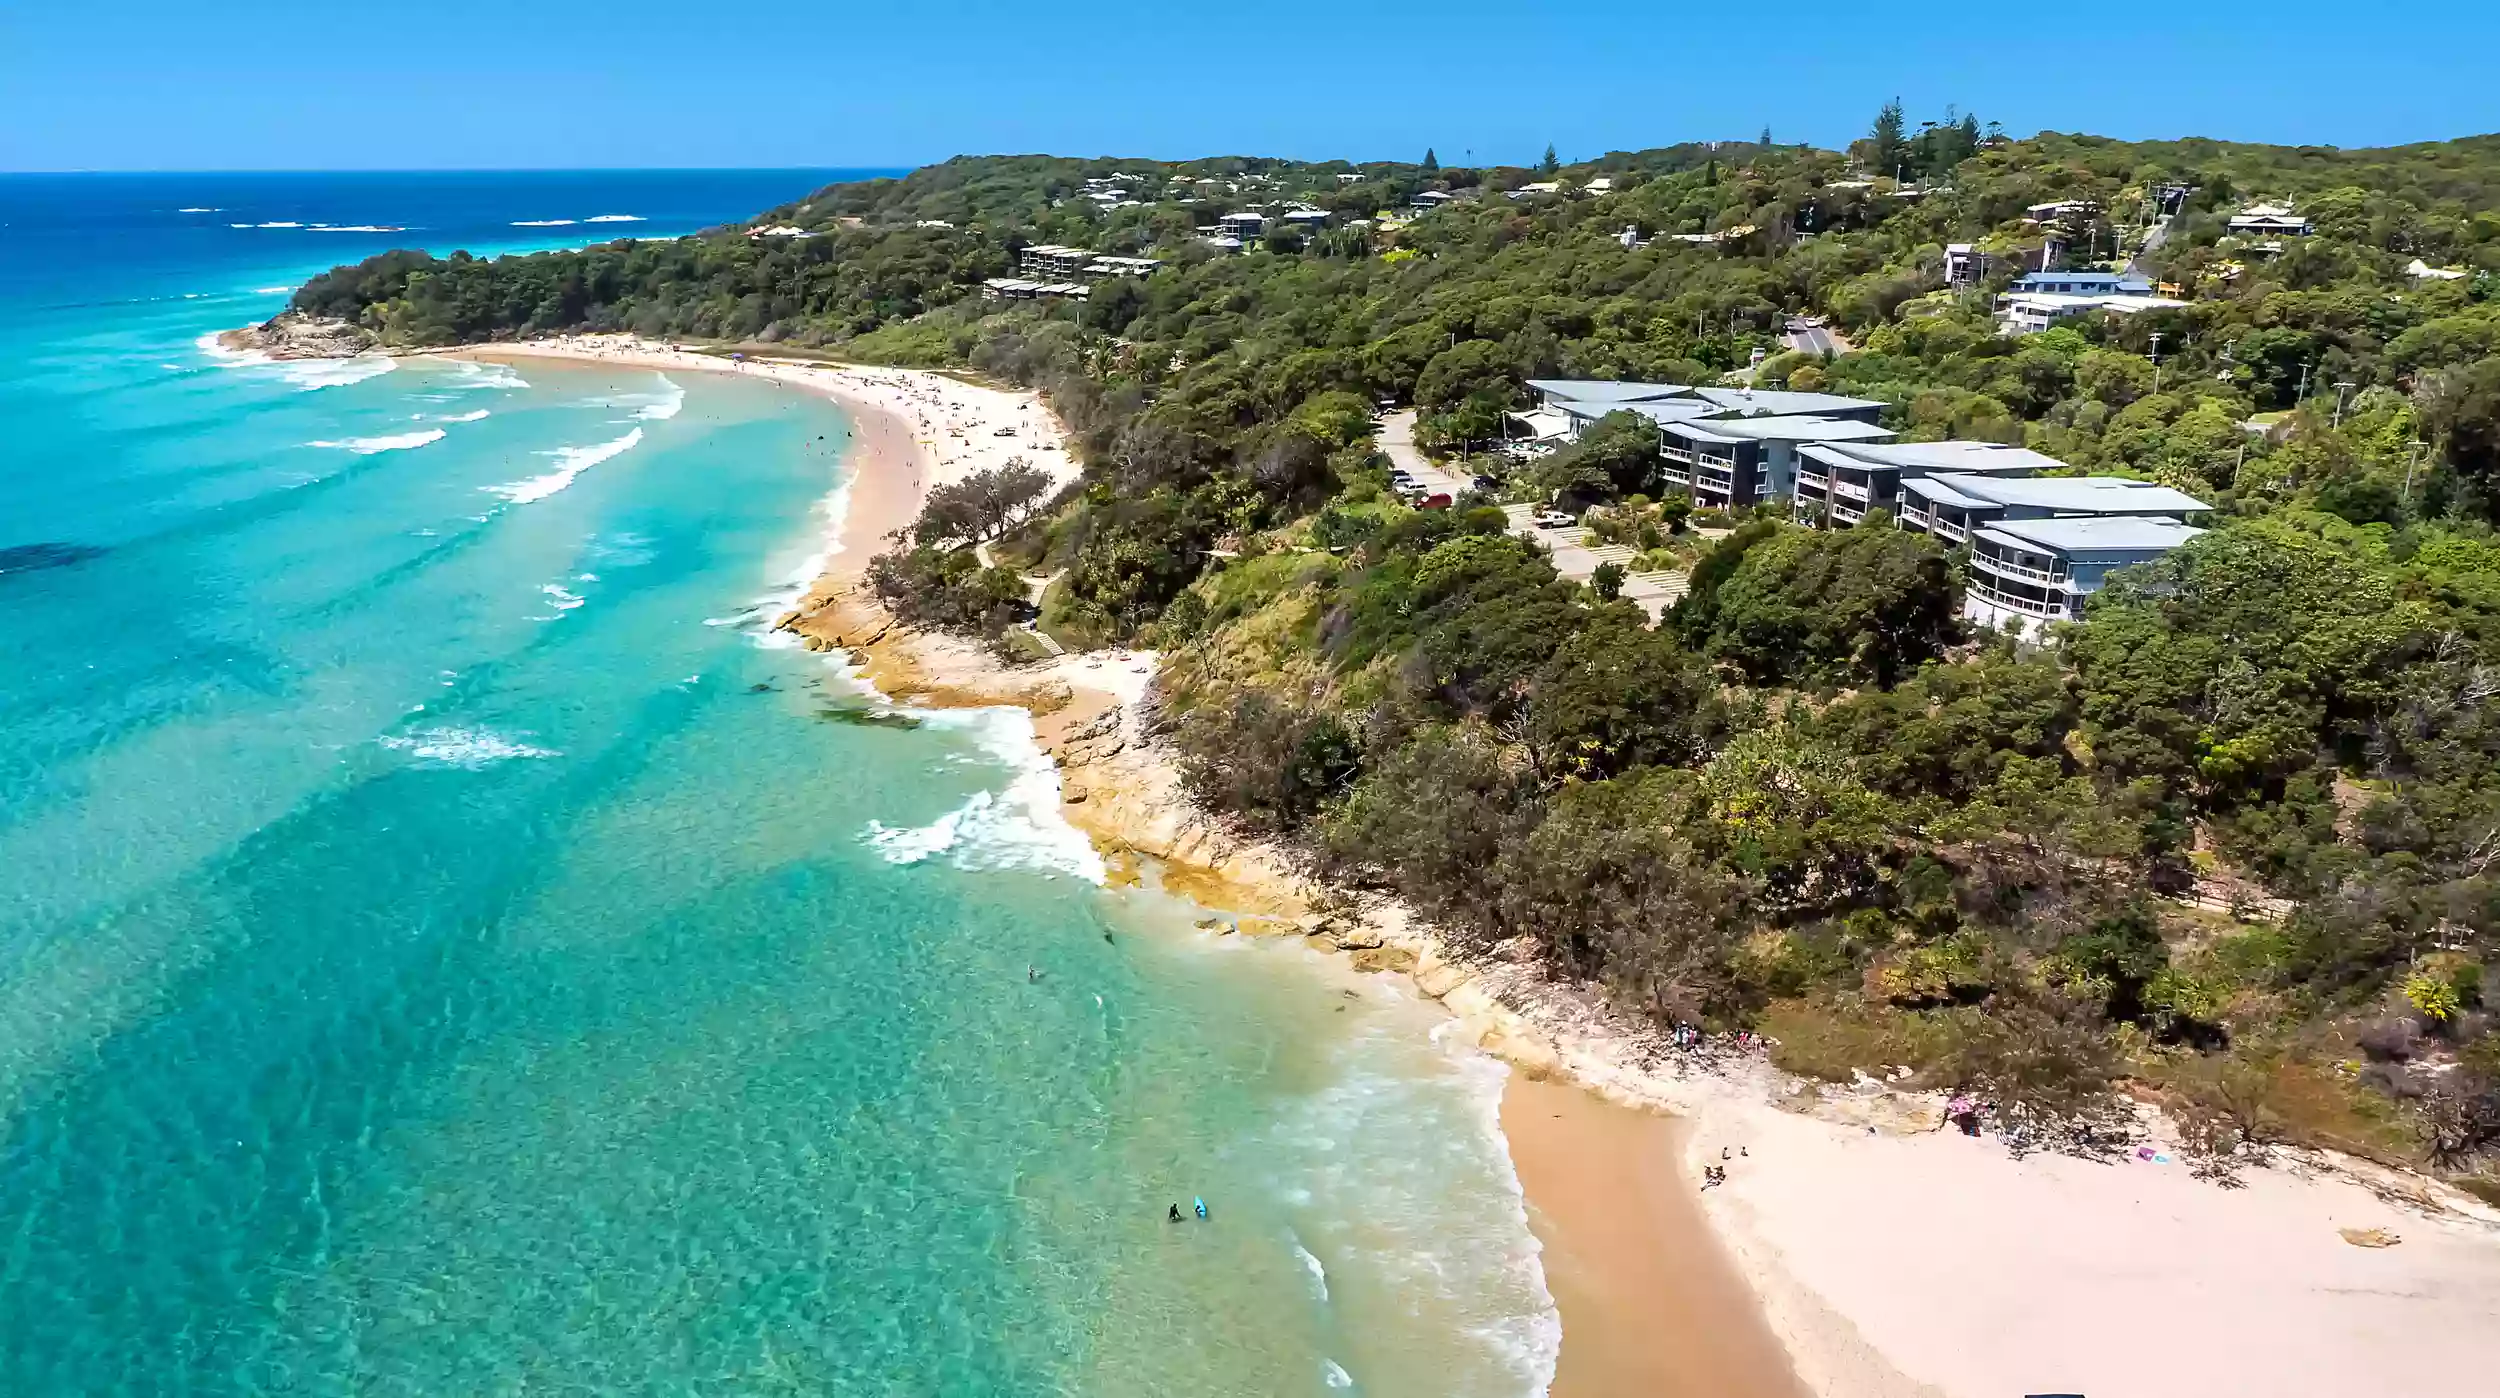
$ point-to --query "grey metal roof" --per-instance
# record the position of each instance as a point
(2097, 495)
(1971, 458)
(1781, 401)
(1607, 390)
(2086, 537)
(1704, 431)
(1669, 410)
(1791, 428)
(1934, 490)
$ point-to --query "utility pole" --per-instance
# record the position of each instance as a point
(2157, 361)
(2342, 386)
(2410, 463)
(2301, 394)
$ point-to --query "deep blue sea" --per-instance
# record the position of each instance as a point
(446, 948)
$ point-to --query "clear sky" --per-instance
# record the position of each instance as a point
(332, 84)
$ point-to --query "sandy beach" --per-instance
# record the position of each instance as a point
(1855, 1251)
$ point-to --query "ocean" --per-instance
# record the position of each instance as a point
(447, 947)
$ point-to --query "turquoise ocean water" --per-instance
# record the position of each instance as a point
(445, 948)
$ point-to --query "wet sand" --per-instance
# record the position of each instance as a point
(1651, 1303)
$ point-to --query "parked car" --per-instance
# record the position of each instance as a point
(1487, 484)
(1554, 519)
(1437, 500)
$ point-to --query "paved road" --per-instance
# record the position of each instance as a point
(1397, 442)
(1817, 339)
(2154, 237)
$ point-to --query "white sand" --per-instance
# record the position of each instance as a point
(1938, 1263)
(961, 427)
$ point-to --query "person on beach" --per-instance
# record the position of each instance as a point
(1176, 1213)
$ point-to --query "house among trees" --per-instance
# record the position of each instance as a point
(2268, 221)
(2030, 312)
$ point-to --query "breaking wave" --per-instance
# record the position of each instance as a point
(368, 446)
(575, 460)
(1016, 827)
(468, 748)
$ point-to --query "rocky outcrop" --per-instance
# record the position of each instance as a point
(294, 335)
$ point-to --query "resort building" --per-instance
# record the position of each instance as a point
(2035, 571)
(1123, 266)
(1027, 289)
(1952, 506)
(1247, 227)
(2038, 544)
(1305, 219)
(1051, 261)
(1839, 482)
(1731, 448)
(1730, 463)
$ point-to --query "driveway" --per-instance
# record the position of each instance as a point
(1397, 442)
(1815, 339)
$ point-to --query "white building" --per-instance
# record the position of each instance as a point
(1248, 227)
(2268, 221)
(1109, 266)
(1963, 266)
(1028, 289)
(2028, 313)
(2036, 571)
(1052, 261)
(2422, 271)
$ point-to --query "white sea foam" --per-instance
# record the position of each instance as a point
(1016, 827)
(199, 211)
(470, 748)
(613, 218)
(544, 222)
(305, 374)
(280, 224)
(560, 599)
(659, 405)
(272, 290)
(368, 446)
(669, 405)
(346, 227)
(1448, 1229)
(1319, 1274)
(1334, 1375)
(472, 374)
(575, 460)
(479, 416)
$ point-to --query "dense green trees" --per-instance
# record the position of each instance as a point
(1812, 783)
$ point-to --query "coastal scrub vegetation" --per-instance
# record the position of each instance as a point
(2231, 837)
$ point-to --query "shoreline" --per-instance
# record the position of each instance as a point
(1881, 1258)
